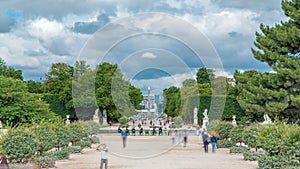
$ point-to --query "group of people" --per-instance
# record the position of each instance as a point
(207, 139)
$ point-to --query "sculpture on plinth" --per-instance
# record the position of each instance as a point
(104, 118)
(205, 120)
(68, 119)
(233, 120)
(267, 119)
(96, 116)
(0, 124)
(195, 116)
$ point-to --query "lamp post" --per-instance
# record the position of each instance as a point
(148, 100)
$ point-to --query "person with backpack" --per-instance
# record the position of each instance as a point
(213, 141)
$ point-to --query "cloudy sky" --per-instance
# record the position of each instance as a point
(157, 43)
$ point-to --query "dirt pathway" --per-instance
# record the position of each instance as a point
(155, 152)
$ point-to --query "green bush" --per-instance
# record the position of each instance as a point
(95, 139)
(178, 122)
(19, 145)
(77, 132)
(90, 127)
(123, 121)
(250, 136)
(212, 125)
(84, 143)
(223, 129)
(47, 161)
(225, 144)
(238, 149)
(62, 133)
(236, 134)
(252, 155)
(74, 149)
(44, 136)
(61, 154)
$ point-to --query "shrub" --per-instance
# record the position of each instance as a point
(60, 155)
(212, 127)
(123, 121)
(90, 127)
(238, 149)
(19, 145)
(95, 139)
(178, 122)
(76, 132)
(250, 136)
(84, 143)
(252, 155)
(62, 134)
(225, 144)
(236, 134)
(44, 136)
(223, 129)
(46, 161)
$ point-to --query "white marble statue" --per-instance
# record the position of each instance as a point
(233, 120)
(267, 119)
(68, 119)
(205, 120)
(195, 116)
(96, 116)
(205, 114)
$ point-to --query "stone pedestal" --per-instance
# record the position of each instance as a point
(195, 116)
(68, 120)
(205, 122)
(233, 120)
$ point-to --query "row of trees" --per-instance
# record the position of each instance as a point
(276, 93)
(77, 91)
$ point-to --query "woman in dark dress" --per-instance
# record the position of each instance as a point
(3, 161)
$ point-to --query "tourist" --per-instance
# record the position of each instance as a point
(205, 141)
(124, 137)
(110, 123)
(141, 131)
(150, 122)
(160, 131)
(185, 139)
(133, 131)
(119, 129)
(103, 150)
(3, 161)
(173, 137)
(139, 125)
(213, 141)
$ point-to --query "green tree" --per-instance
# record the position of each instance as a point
(205, 75)
(34, 87)
(8, 71)
(172, 101)
(279, 47)
(18, 106)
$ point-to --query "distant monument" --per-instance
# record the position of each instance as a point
(233, 120)
(267, 119)
(205, 120)
(96, 116)
(195, 116)
(0, 124)
(68, 119)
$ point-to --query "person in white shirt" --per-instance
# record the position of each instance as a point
(102, 148)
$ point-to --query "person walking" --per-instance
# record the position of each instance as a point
(213, 141)
(205, 141)
(185, 139)
(102, 148)
(124, 137)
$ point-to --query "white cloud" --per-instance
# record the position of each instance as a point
(148, 55)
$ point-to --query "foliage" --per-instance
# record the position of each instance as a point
(178, 122)
(252, 155)
(278, 92)
(18, 106)
(77, 132)
(44, 136)
(205, 75)
(225, 144)
(63, 135)
(212, 127)
(236, 134)
(123, 121)
(19, 144)
(84, 143)
(223, 129)
(90, 127)
(8, 71)
(56, 105)
(172, 101)
(60, 154)
(95, 139)
(250, 136)
(45, 161)
(34, 87)
(238, 149)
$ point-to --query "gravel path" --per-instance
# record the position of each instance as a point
(155, 152)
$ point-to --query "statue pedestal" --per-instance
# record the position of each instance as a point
(68, 120)
(205, 122)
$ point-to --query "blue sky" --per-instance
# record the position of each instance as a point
(35, 34)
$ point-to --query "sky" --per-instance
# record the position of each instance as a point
(155, 43)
